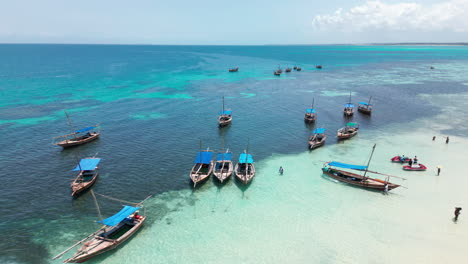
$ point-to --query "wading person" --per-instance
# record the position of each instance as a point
(438, 170)
(281, 170)
(457, 212)
(447, 140)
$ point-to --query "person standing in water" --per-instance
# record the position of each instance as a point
(415, 160)
(281, 170)
(457, 212)
(447, 140)
(438, 169)
(410, 162)
(433, 138)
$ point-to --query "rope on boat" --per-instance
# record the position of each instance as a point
(76, 244)
(123, 201)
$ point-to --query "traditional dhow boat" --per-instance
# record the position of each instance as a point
(288, 69)
(77, 137)
(295, 67)
(365, 108)
(298, 69)
(277, 73)
(415, 167)
(203, 167)
(223, 167)
(245, 169)
(318, 66)
(116, 230)
(225, 117)
(317, 139)
(87, 176)
(364, 181)
(348, 107)
(400, 159)
(350, 130)
(310, 114)
(236, 69)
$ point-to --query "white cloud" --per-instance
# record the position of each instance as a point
(449, 16)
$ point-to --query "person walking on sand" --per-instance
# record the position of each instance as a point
(281, 170)
(457, 212)
(433, 138)
(438, 169)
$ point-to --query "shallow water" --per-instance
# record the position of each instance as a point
(156, 102)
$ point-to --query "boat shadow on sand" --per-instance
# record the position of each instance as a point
(243, 187)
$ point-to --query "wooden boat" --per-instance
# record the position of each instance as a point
(317, 139)
(115, 231)
(298, 69)
(310, 114)
(245, 169)
(203, 167)
(277, 73)
(331, 169)
(236, 69)
(225, 117)
(398, 159)
(223, 167)
(279, 69)
(288, 69)
(350, 130)
(318, 66)
(87, 176)
(77, 137)
(348, 107)
(415, 167)
(295, 67)
(365, 108)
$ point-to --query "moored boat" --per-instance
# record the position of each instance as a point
(295, 67)
(350, 130)
(400, 159)
(223, 167)
(203, 167)
(236, 69)
(348, 107)
(331, 169)
(317, 139)
(77, 137)
(318, 66)
(298, 69)
(415, 167)
(288, 69)
(245, 169)
(365, 107)
(225, 117)
(87, 176)
(310, 114)
(277, 73)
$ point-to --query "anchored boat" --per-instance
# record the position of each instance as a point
(364, 181)
(350, 130)
(365, 108)
(77, 137)
(245, 169)
(348, 107)
(317, 139)
(87, 176)
(310, 114)
(236, 69)
(203, 167)
(225, 117)
(223, 167)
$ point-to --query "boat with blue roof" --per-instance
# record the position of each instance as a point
(87, 176)
(225, 116)
(223, 167)
(317, 139)
(203, 167)
(350, 130)
(348, 107)
(77, 137)
(365, 107)
(245, 169)
(310, 114)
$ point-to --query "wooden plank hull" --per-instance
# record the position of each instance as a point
(309, 118)
(358, 180)
(365, 110)
(224, 120)
(245, 176)
(348, 112)
(317, 142)
(348, 133)
(80, 187)
(80, 141)
(99, 244)
(224, 174)
(197, 176)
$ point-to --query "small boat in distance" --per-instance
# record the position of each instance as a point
(415, 167)
(223, 167)
(350, 130)
(288, 69)
(365, 108)
(245, 169)
(318, 66)
(203, 167)
(400, 159)
(279, 69)
(348, 107)
(310, 114)
(364, 181)
(115, 231)
(295, 67)
(298, 69)
(88, 173)
(236, 69)
(225, 117)
(77, 137)
(277, 73)
(317, 138)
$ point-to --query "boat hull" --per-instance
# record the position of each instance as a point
(413, 168)
(348, 112)
(223, 175)
(358, 180)
(397, 159)
(224, 121)
(346, 134)
(72, 143)
(310, 118)
(241, 174)
(78, 189)
(313, 144)
(365, 110)
(199, 177)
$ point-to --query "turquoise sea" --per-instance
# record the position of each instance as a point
(155, 104)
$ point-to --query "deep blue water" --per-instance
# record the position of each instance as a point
(155, 104)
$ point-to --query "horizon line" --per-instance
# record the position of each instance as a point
(315, 44)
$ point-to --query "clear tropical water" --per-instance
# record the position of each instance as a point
(155, 104)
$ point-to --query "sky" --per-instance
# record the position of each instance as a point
(238, 22)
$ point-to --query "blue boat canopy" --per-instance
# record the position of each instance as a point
(245, 158)
(347, 166)
(87, 164)
(349, 105)
(204, 157)
(118, 217)
(310, 110)
(224, 156)
(319, 131)
(85, 129)
(364, 103)
(226, 112)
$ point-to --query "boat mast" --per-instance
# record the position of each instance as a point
(349, 97)
(368, 104)
(223, 106)
(313, 101)
(247, 159)
(372, 153)
(72, 130)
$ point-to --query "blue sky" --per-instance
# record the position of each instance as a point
(233, 22)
